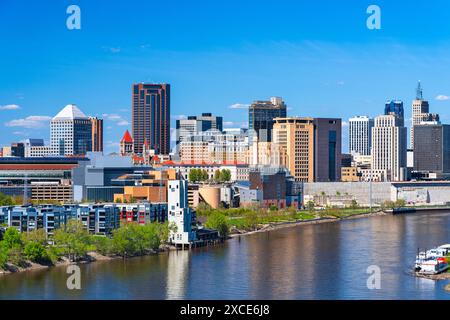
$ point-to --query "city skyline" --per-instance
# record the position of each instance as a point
(328, 66)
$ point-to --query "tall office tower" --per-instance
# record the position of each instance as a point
(97, 134)
(310, 147)
(420, 112)
(389, 147)
(179, 213)
(360, 135)
(151, 117)
(193, 125)
(261, 115)
(126, 144)
(70, 132)
(395, 107)
(432, 150)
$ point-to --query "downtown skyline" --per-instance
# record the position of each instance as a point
(323, 64)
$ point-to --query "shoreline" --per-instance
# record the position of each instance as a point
(91, 257)
(273, 226)
(289, 224)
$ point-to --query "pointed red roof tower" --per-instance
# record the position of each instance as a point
(127, 137)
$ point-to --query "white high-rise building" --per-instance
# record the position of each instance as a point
(70, 132)
(360, 135)
(180, 214)
(389, 139)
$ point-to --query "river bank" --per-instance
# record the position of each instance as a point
(90, 257)
(288, 224)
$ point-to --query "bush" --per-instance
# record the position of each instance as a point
(12, 238)
(35, 252)
(218, 222)
(15, 256)
(3, 256)
(103, 245)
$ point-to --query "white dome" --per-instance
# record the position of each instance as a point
(70, 112)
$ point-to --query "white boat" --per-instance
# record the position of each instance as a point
(432, 266)
(433, 261)
(442, 251)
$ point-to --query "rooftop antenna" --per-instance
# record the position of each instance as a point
(419, 92)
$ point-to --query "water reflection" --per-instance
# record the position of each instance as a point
(324, 261)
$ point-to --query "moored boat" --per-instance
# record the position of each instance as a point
(433, 261)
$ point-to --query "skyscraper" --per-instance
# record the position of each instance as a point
(360, 135)
(194, 125)
(261, 115)
(151, 117)
(395, 107)
(97, 134)
(420, 112)
(309, 147)
(432, 149)
(389, 146)
(70, 132)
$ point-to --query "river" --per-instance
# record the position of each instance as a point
(323, 261)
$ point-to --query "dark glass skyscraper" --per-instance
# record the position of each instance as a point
(261, 115)
(432, 148)
(151, 117)
(395, 107)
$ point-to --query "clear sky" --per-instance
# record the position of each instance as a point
(318, 55)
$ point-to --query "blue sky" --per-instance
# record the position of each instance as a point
(318, 55)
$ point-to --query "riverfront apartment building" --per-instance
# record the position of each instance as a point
(193, 125)
(70, 132)
(389, 146)
(261, 115)
(432, 150)
(179, 213)
(311, 147)
(360, 135)
(97, 219)
(97, 134)
(151, 117)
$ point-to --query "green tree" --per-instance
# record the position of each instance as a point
(400, 203)
(310, 206)
(218, 176)
(6, 200)
(194, 175)
(218, 221)
(38, 235)
(204, 175)
(354, 204)
(3, 255)
(226, 175)
(35, 252)
(124, 240)
(73, 240)
(15, 256)
(103, 245)
(12, 238)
